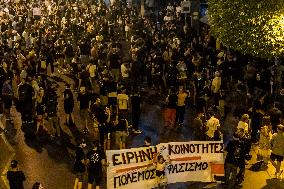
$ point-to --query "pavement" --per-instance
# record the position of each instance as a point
(50, 163)
(7, 153)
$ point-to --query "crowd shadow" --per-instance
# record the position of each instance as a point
(274, 184)
(56, 147)
(10, 132)
(258, 166)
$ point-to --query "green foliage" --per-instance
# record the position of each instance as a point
(253, 27)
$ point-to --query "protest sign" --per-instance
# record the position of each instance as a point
(193, 161)
(130, 168)
(187, 161)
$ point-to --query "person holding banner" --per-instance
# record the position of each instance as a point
(160, 165)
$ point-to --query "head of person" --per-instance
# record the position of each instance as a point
(236, 135)
(180, 89)
(37, 185)
(258, 77)
(160, 159)
(14, 164)
(67, 86)
(82, 90)
(245, 118)
(96, 144)
(147, 141)
(8, 80)
(266, 120)
(82, 144)
(200, 113)
(217, 74)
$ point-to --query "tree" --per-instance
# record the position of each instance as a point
(254, 27)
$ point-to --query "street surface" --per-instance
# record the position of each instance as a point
(51, 163)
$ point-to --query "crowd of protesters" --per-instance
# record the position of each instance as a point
(86, 41)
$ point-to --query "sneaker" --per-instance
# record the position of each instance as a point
(137, 131)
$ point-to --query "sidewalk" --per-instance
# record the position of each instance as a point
(6, 155)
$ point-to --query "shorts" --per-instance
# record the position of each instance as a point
(94, 177)
(274, 157)
(80, 176)
(84, 113)
(120, 136)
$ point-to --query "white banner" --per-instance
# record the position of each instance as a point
(177, 161)
(131, 168)
(193, 161)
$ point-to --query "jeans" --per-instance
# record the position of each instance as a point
(180, 114)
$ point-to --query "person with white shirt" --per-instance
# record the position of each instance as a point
(124, 69)
(215, 87)
(243, 124)
(212, 125)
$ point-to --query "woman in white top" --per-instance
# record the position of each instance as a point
(243, 124)
(264, 140)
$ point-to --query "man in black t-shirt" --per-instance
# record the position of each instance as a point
(15, 177)
(100, 118)
(84, 100)
(114, 63)
(95, 160)
(85, 80)
(147, 142)
(51, 108)
(25, 101)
